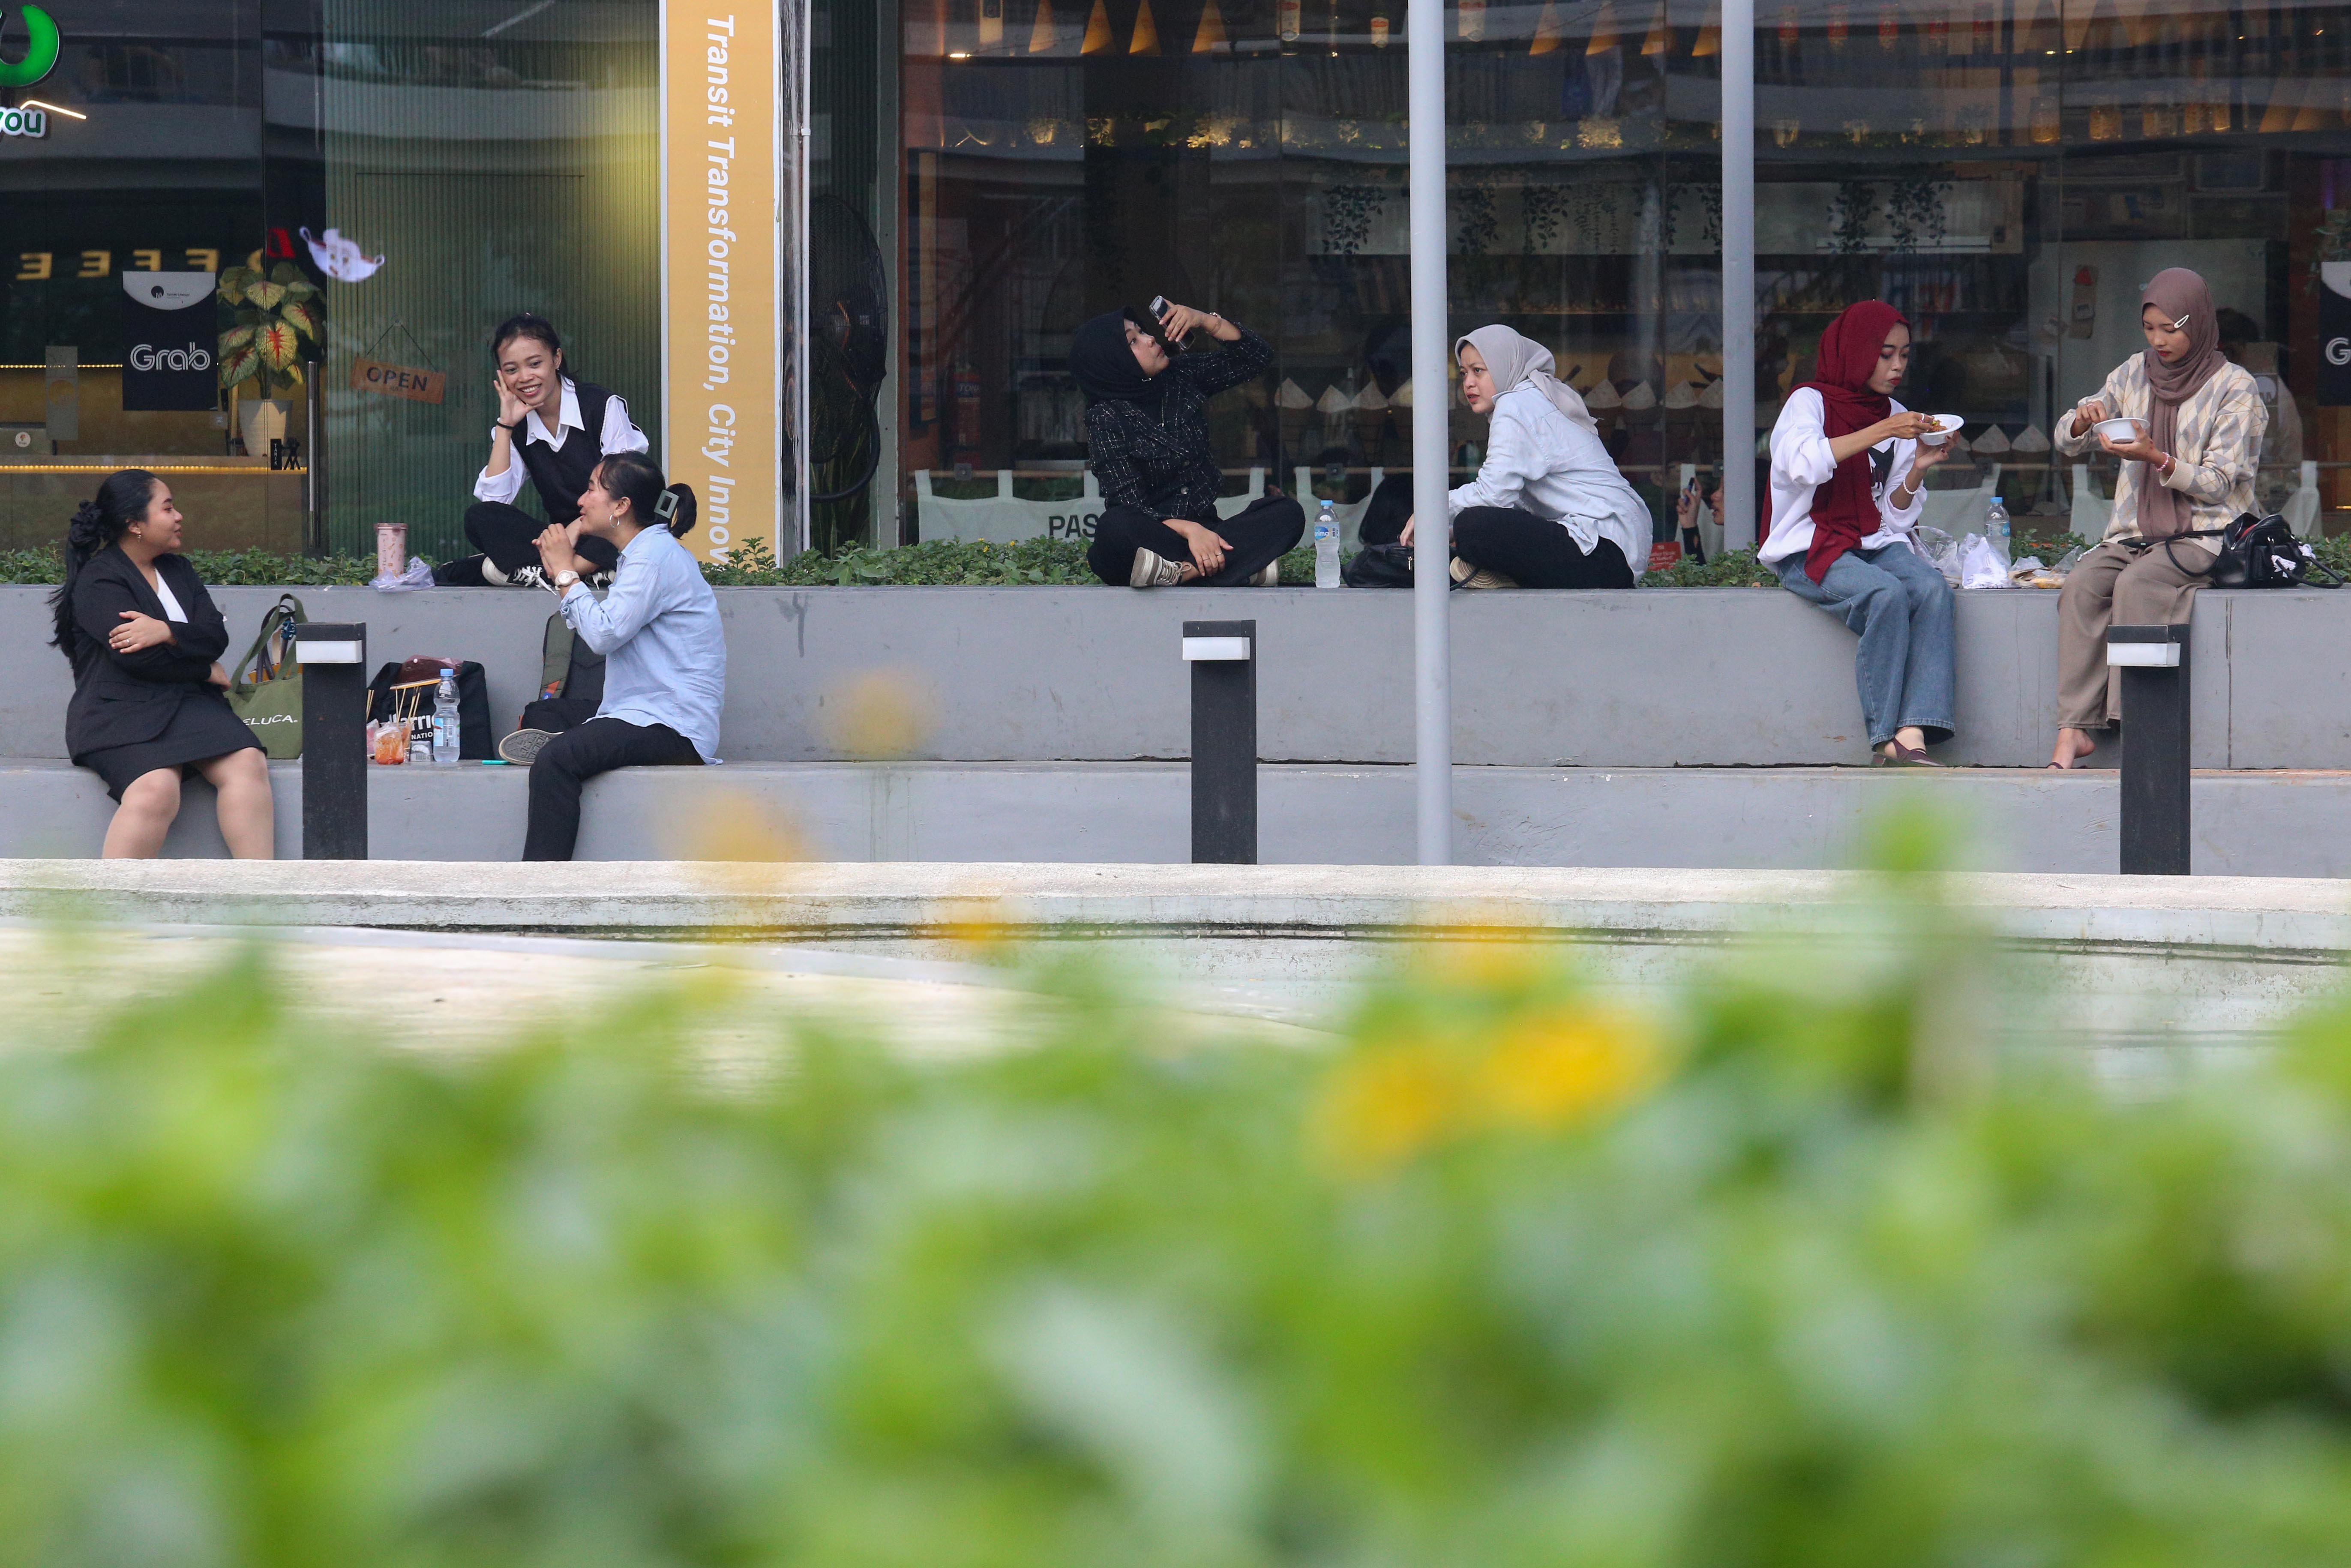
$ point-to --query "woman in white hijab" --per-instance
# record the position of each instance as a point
(1548, 509)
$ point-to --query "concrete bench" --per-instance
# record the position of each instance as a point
(1653, 678)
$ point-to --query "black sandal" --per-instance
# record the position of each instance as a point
(1904, 757)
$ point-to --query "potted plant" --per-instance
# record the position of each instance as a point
(277, 326)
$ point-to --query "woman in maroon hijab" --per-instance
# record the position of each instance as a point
(2189, 463)
(1846, 473)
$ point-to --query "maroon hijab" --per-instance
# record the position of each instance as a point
(1845, 510)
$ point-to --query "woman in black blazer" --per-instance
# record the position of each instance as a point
(148, 703)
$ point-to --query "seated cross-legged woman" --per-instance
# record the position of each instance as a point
(658, 629)
(1548, 509)
(1147, 442)
(1846, 472)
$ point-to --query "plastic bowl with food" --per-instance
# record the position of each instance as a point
(2118, 430)
(1946, 425)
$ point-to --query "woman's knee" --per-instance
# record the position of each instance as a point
(154, 794)
(1284, 519)
(248, 768)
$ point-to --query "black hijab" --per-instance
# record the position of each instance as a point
(1104, 364)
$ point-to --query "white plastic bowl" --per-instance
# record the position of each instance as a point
(2118, 430)
(1946, 425)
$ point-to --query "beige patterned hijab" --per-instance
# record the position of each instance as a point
(2180, 295)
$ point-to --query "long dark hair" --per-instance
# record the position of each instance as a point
(96, 524)
(633, 477)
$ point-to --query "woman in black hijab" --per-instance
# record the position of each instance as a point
(1147, 430)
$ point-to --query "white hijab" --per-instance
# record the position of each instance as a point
(1514, 360)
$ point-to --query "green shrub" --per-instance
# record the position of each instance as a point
(1788, 1272)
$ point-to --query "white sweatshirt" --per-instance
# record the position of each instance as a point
(1801, 464)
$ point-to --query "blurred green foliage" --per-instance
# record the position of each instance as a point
(1787, 1273)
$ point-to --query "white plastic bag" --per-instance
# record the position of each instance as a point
(1980, 564)
(418, 575)
(2302, 507)
(1939, 551)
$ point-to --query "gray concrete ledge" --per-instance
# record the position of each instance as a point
(2246, 823)
(1657, 677)
(2217, 961)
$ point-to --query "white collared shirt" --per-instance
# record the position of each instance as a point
(1540, 462)
(658, 629)
(620, 434)
(1801, 463)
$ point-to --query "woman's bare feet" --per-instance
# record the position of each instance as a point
(2072, 744)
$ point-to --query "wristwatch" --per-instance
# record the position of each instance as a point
(564, 580)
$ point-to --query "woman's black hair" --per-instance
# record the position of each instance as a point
(633, 477)
(121, 501)
(527, 325)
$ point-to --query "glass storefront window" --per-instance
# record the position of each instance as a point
(2007, 172)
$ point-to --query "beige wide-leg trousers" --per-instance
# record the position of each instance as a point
(2113, 583)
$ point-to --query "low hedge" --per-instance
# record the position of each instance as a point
(940, 563)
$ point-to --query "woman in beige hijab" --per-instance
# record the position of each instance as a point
(2188, 468)
(1547, 508)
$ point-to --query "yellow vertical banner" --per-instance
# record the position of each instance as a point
(721, 270)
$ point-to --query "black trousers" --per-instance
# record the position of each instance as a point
(508, 537)
(575, 756)
(1267, 530)
(1534, 553)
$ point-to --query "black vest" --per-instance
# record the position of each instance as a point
(562, 474)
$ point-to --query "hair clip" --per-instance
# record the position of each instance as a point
(666, 507)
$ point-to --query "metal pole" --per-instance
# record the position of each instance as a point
(1223, 656)
(1432, 419)
(1738, 59)
(2151, 662)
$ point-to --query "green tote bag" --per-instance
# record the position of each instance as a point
(265, 687)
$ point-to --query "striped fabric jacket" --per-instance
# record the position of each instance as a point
(2219, 446)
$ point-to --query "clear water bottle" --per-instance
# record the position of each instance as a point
(1326, 547)
(1997, 530)
(444, 721)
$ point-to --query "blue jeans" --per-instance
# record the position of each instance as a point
(1902, 608)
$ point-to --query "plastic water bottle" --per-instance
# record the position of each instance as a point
(1326, 547)
(444, 721)
(1996, 529)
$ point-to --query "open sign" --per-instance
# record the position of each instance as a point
(398, 380)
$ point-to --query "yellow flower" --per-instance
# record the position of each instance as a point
(1567, 1066)
(1385, 1106)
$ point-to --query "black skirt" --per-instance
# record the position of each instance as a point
(204, 726)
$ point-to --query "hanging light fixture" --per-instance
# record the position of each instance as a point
(1145, 38)
(1043, 36)
(1098, 38)
(1209, 37)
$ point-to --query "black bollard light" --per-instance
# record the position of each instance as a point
(2151, 662)
(334, 740)
(1223, 656)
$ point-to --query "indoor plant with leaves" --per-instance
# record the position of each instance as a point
(278, 324)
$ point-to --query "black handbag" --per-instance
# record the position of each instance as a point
(1379, 566)
(2257, 552)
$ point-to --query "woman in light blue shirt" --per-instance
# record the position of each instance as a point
(664, 653)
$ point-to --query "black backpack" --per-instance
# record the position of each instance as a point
(2257, 552)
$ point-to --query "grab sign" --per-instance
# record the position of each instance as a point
(170, 331)
(2334, 335)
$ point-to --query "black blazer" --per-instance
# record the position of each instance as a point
(121, 699)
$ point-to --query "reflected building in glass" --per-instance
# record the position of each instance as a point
(2008, 174)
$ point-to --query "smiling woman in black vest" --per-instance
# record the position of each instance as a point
(553, 429)
(145, 641)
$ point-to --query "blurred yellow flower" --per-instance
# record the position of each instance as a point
(1568, 1066)
(1385, 1106)
(1563, 1066)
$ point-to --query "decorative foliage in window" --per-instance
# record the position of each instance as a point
(1347, 213)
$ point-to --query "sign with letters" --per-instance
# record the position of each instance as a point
(2334, 334)
(170, 329)
(723, 338)
(398, 380)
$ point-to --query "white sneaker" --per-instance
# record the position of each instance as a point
(1270, 578)
(523, 746)
(1152, 570)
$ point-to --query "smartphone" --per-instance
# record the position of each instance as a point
(1159, 314)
